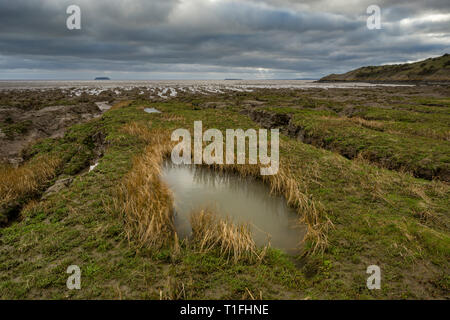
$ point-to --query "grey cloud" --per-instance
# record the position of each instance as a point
(193, 37)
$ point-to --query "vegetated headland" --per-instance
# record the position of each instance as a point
(366, 170)
(432, 70)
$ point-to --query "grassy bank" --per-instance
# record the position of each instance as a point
(368, 215)
(395, 139)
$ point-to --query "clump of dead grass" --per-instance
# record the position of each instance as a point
(234, 241)
(26, 180)
(285, 182)
(292, 186)
(143, 199)
(312, 213)
(370, 124)
(139, 130)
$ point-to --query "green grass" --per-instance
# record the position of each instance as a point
(11, 129)
(432, 69)
(377, 213)
(384, 144)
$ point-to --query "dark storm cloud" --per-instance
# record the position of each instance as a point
(269, 38)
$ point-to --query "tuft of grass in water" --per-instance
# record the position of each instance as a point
(311, 212)
(233, 241)
(373, 209)
(143, 199)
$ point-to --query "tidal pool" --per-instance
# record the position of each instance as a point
(241, 199)
(152, 110)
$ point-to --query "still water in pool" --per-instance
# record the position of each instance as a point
(241, 199)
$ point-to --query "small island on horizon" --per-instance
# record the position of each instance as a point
(102, 78)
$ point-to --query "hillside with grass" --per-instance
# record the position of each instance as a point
(429, 70)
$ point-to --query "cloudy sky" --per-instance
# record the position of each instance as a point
(214, 39)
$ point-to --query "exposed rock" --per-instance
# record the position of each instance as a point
(58, 186)
(103, 105)
(93, 167)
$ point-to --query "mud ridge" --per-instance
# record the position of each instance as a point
(272, 120)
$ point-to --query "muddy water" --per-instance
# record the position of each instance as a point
(241, 199)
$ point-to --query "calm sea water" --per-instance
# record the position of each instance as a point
(223, 84)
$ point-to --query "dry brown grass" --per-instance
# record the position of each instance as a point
(292, 186)
(173, 289)
(371, 124)
(26, 180)
(143, 199)
(312, 212)
(172, 117)
(140, 130)
(248, 295)
(146, 171)
(234, 241)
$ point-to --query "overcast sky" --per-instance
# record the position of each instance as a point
(214, 39)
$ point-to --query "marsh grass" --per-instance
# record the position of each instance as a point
(380, 183)
(312, 213)
(234, 241)
(291, 186)
(143, 199)
(73, 227)
(426, 130)
(22, 183)
(410, 143)
(370, 124)
(147, 202)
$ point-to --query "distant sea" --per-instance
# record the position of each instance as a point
(273, 84)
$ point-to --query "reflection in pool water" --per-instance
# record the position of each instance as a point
(241, 199)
